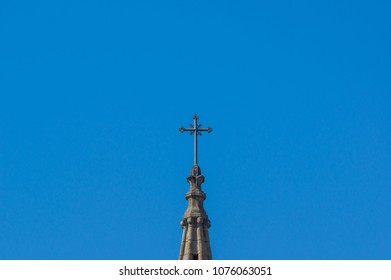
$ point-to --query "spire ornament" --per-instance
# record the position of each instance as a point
(196, 130)
(195, 223)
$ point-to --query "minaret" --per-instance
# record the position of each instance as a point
(195, 223)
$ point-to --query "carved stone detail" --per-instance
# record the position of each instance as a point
(195, 222)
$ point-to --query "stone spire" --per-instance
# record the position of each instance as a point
(195, 223)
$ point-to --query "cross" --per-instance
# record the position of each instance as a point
(195, 129)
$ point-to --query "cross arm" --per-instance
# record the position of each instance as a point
(182, 129)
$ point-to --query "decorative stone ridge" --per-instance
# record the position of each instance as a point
(195, 243)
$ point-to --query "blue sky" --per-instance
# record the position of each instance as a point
(92, 165)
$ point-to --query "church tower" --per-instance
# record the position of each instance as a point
(195, 223)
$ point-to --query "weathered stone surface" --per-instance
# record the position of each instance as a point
(195, 223)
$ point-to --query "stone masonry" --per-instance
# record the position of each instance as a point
(195, 223)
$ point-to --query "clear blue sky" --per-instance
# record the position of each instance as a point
(92, 165)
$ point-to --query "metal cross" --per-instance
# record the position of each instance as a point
(195, 129)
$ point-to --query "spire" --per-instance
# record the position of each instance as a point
(195, 223)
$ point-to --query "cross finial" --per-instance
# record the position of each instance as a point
(195, 129)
